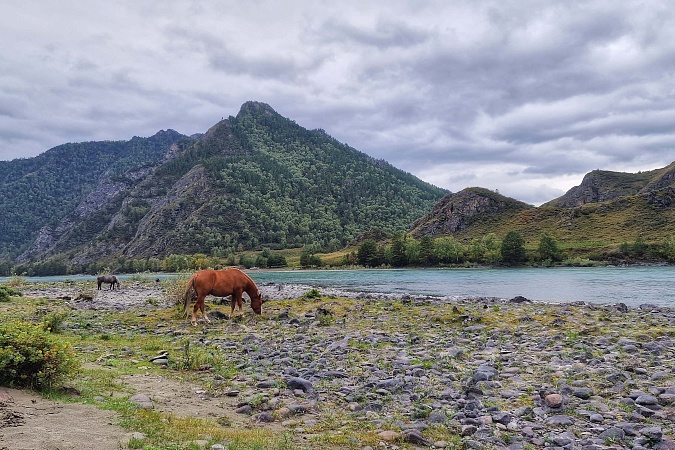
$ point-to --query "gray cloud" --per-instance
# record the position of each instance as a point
(523, 97)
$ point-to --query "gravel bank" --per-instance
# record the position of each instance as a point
(384, 371)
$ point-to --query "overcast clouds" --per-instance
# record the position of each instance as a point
(520, 96)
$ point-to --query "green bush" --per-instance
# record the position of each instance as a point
(33, 357)
(6, 292)
(53, 322)
(312, 293)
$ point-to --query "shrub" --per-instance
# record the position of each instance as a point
(312, 293)
(33, 357)
(6, 292)
(53, 322)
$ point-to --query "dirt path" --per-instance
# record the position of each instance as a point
(31, 422)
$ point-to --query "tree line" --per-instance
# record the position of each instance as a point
(400, 250)
(403, 250)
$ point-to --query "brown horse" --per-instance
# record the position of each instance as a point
(220, 283)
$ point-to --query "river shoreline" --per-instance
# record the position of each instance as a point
(600, 285)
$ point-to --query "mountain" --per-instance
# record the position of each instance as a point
(606, 210)
(602, 186)
(457, 212)
(254, 180)
(70, 182)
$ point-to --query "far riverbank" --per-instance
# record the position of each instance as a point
(634, 285)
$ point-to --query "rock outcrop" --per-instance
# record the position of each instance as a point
(456, 212)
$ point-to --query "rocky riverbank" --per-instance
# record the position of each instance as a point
(367, 371)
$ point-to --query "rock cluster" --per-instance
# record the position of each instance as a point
(410, 372)
(489, 372)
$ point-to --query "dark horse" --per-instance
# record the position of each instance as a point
(220, 283)
(110, 279)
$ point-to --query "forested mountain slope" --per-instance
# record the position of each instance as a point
(257, 179)
(42, 191)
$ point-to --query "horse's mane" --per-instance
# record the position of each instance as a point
(251, 283)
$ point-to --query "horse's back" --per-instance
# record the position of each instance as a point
(220, 282)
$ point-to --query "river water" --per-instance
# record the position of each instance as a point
(630, 285)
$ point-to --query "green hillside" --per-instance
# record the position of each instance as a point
(595, 229)
(42, 191)
(251, 181)
(265, 181)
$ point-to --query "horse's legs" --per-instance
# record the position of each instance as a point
(206, 319)
(236, 300)
(195, 308)
(199, 305)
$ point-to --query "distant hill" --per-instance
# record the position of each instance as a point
(254, 180)
(602, 186)
(457, 212)
(606, 210)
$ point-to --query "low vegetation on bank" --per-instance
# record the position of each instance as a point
(399, 250)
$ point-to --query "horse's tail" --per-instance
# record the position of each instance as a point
(187, 297)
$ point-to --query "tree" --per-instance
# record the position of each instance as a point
(513, 248)
(476, 250)
(449, 250)
(427, 249)
(398, 256)
(548, 248)
(492, 249)
(668, 248)
(367, 253)
(639, 248)
(412, 251)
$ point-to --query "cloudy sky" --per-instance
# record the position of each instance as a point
(523, 97)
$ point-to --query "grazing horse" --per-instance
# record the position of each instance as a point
(111, 279)
(220, 283)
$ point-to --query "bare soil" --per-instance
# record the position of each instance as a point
(31, 422)
(28, 421)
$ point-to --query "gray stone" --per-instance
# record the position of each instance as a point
(560, 420)
(646, 399)
(299, 383)
(263, 417)
(468, 430)
(583, 393)
(654, 434)
(500, 417)
(596, 418)
(437, 417)
(613, 433)
(245, 409)
(142, 401)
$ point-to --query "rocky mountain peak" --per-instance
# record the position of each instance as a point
(253, 107)
(456, 212)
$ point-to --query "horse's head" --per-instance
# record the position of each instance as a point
(256, 304)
